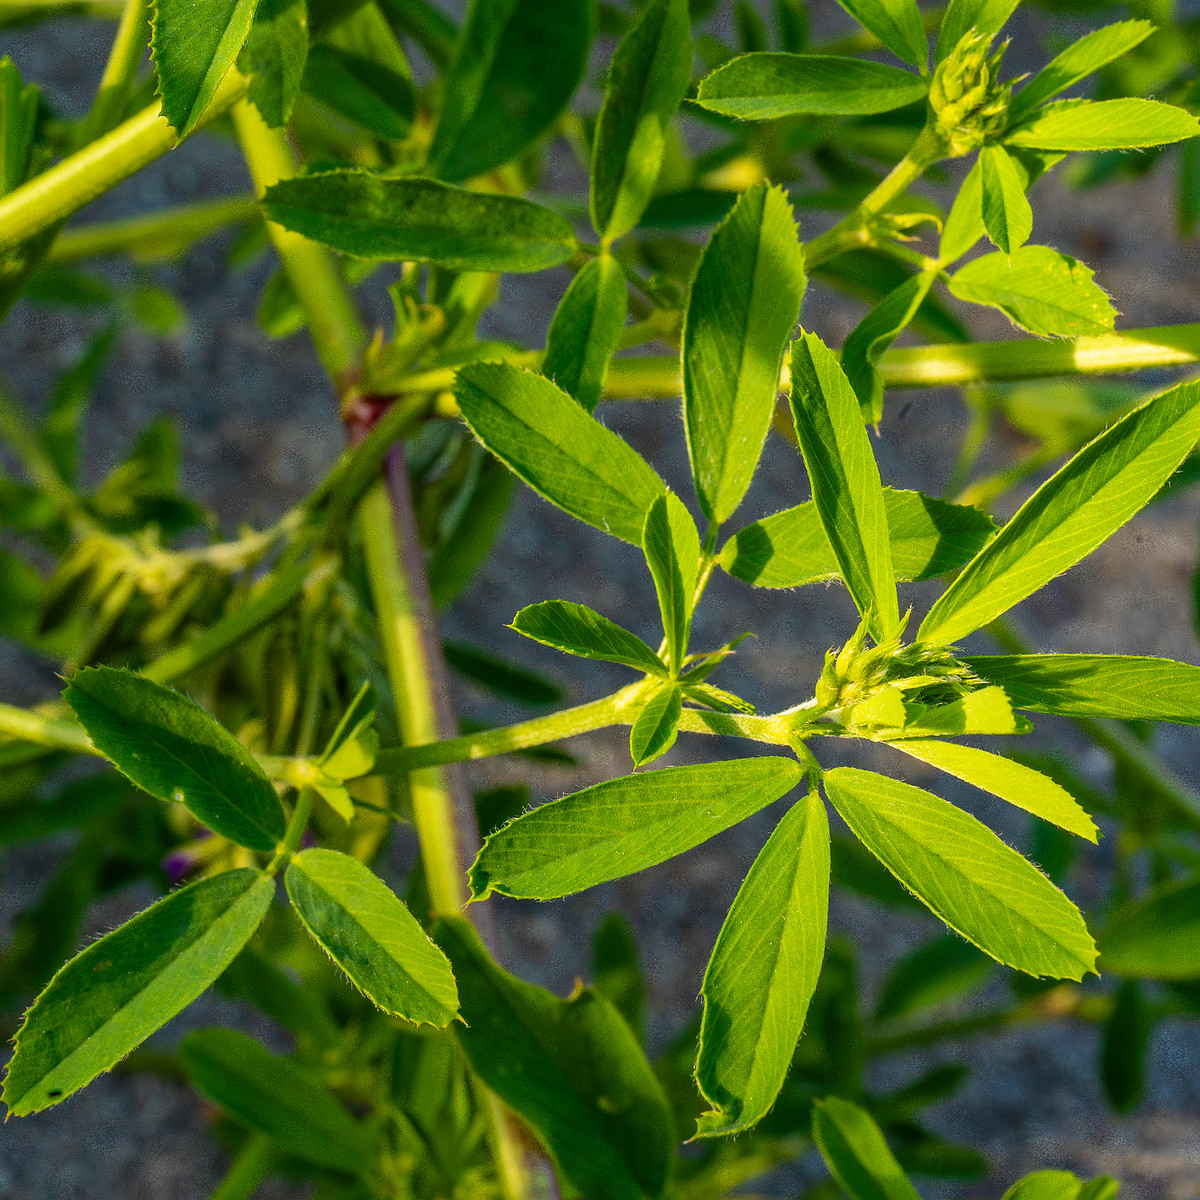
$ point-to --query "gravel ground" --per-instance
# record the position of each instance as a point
(258, 429)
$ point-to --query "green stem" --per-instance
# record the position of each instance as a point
(158, 235)
(252, 1165)
(57, 733)
(297, 824)
(120, 72)
(337, 331)
(65, 188)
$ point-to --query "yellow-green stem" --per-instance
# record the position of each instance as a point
(120, 72)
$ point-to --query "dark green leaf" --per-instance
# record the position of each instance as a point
(1090, 53)
(577, 629)
(763, 972)
(170, 747)
(1157, 936)
(1038, 289)
(516, 64)
(557, 448)
(1075, 510)
(617, 972)
(788, 549)
(1007, 216)
(280, 1099)
(586, 329)
(571, 1068)
(625, 825)
(1096, 685)
(654, 731)
(980, 887)
(1123, 1043)
(764, 86)
(933, 973)
(963, 16)
(117, 992)
(743, 306)
(497, 675)
(68, 403)
(372, 95)
(194, 43)
(672, 549)
(854, 868)
(647, 78)
(845, 481)
(896, 23)
(1105, 125)
(274, 57)
(855, 1152)
(454, 563)
(375, 217)
(369, 933)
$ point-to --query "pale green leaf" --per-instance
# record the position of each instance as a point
(763, 972)
(965, 874)
(1097, 685)
(1156, 936)
(577, 629)
(647, 78)
(390, 218)
(625, 825)
(369, 933)
(170, 747)
(1075, 510)
(672, 549)
(354, 743)
(964, 221)
(896, 23)
(845, 481)
(766, 85)
(557, 448)
(586, 329)
(985, 710)
(1038, 289)
(743, 305)
(274, 57)
(1076, 62)
(193, 44)
(116, 993)
(570, 1068)
(1045, 1185)
(854, 1150)
(1007, 216)
(282, 1100)
(515, 66)
(788, 549)
(1011, 781)
(654, 731)
(1128, 124)
(962, 16)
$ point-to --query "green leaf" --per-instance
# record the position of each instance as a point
(586, 329)
(743, 305)
(354, 743)
(672, 549)
(962, 16)
(274, 57)
(986, 710)
(369, 933)
(170, 747)
(965, 874)
(789, 549)
(1011, 781)
(282, 1100)
(500, 676)
(1090, 53)
(1038, 289)
(1007, 216)
(364, 91)
(1096, 685)
(854, 1150)
(116, 993)
(768, 85)
(625, 825)
(763, 972)
(937, 971)
(1045, 1185)
(964, 221)
(557, 448)
(845, 481)
(193, 44)
(577, 629)
(1075, 510)
(390, 218)
(1157, 936)
(571, 1068)
(647, 78)
(1124, 1039)
(1104, 125)
(874, 334)
(896, 23)
(657, 725)
(617, 971)
(516, 64)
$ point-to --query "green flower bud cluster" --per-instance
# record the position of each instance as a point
(969, 105)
